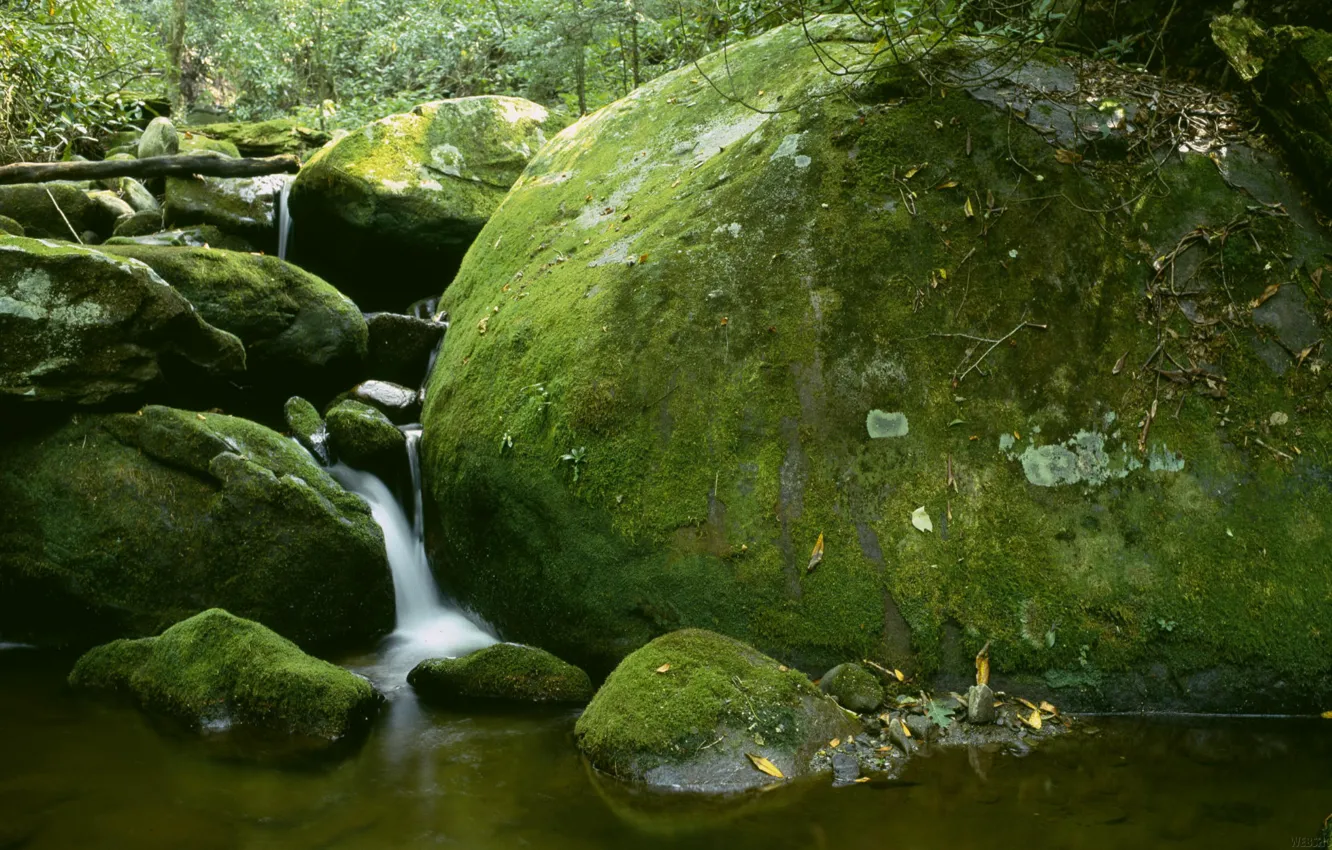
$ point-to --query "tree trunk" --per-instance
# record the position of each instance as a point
(210, 165)
(176, 59)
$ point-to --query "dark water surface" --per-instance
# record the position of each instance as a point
(83, 773)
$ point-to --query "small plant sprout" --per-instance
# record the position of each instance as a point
(506, 442)
(575, 457)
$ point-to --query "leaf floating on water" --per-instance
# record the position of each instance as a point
(1119, 364)
(1267, 293)
(1068, 157)
(920, 518)
(816, 556)
(663, 668)
(766, 766)
(983, 665)
(1034, 721)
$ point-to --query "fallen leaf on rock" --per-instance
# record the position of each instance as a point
(861, 780)
(816, 556)
(1068, 157)
(663, 668)
(642, 258)
(1267, 293)
(906, 730)
(1327, 715)
(1048, 709)
(947, 184)
(920, 519)
(1034, 721)
(1119, 364)
(782, 668)
(766, 766)
(1027, 703)
(899, 675)
(969, 209)
(914, 170)
(983, 665)
(835, 743)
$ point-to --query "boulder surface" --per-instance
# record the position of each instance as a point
(504, 672)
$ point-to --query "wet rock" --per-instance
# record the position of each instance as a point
(386, 212)
(205, 236)
(140, 223)
(905, 742)
(688, 710)
(159, 139)
(31, 206)
(300, 334)
(10, 226)
(307, 426)
(118, 525)
(109, 205)
(846, 768)
(401, 347)
(401, 405)
(980, 704)
(853, 686)
(240, 206)
(214, 670)
(79, 326)
(505, 672)
(365, 438)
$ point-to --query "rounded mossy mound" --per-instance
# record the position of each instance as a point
(365, 438)
(689, 709)
(216, 670)
(505, 672)
(667, 344)
(386, 212)
(119, 525)
(300, 334)
(853, 686)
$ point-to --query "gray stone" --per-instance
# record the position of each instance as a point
(853, 686)
(159, 139)
(980, 704)
(401, 347)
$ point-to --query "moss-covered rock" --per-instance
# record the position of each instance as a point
(241, 206)
(265, 138)
(307, 426)
(216, 670)
(159, 138)
(401, 347)
(385, 213)
(119, 525)
(133, 192)
(31, 206)
(300, 334)
(10, 226)
(77, 325)
(192, 143)
(109, 206)
(686, 711)
(853, 686)
(205, 236)
(365, 438)
(706, 337)
(142, 223)
(505, 672)
(1289, 71)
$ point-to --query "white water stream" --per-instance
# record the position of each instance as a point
(427, 626)
(284, 220)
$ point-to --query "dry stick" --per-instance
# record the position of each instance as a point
(997, 342)
(62, 215)
(213, 165)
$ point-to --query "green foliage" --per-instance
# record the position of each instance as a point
(65, 71)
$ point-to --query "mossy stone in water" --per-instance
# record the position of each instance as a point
(307, 426)
(364, 437)
(505, 672)
(214, 670)
(687, 710)
(853, 686)
(717, 352)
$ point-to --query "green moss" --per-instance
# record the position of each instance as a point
(506, 672)
(265, 138)
(716, 321)
(240, 206)
(853, 686)
(363, 436)
(192, 143)
(214, 670)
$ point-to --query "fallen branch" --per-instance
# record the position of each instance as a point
(209, 165)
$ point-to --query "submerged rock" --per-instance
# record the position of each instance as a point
(853, 687)
(216, 670)
(401, 347)
(300, 334)
(712, 300)
(386, 212)
(688, 710)
(241, 206)
(365, 438)
(505, 672)
(118, 525)
(79, 326)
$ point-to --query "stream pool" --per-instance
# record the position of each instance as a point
(81, 772)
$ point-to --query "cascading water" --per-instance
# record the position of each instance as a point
(427, 627)
(284, 220)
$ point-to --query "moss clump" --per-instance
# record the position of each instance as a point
(387, 211)
(265, 138)
(215, 670)
(10, 226)
(504, 672)
(853, 686)
(690, 688)
(364, 437)
(299, 332)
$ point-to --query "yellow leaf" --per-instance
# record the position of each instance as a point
(1027, 703)
(897, 674)
(914, 170)
(835, 742)
(905, 729)
(1068, 157)
(766, 766)
(1047, 708)
(947, 184)
(983, 665)
(1034, 721)
(199, 415)
(1267, 293)
(969, 209)
(861, 780)
(816, 556)
(663, 668)
(782, 668)
(642, 258)
(1327, 715)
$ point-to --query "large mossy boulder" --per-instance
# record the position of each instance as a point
(1289, 71)
(300, 334)
(79, 326)
(119, 525)
(215, 671)
(688, 710)
(239, 206)
(39, 207)
(265, 138)
(502, 673)
(385, 213)
(1021, 382)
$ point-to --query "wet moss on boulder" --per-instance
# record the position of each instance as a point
(118, 525)
(79, 326)
(365, 438)
(215, 670)
(239, 206)
(386, 212)
(505, 672)
(853, 687)
(686, 711)
(307, 426)
(264, 138)
(742, 290)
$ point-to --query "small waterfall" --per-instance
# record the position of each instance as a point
(427, 626)
(284, 220)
